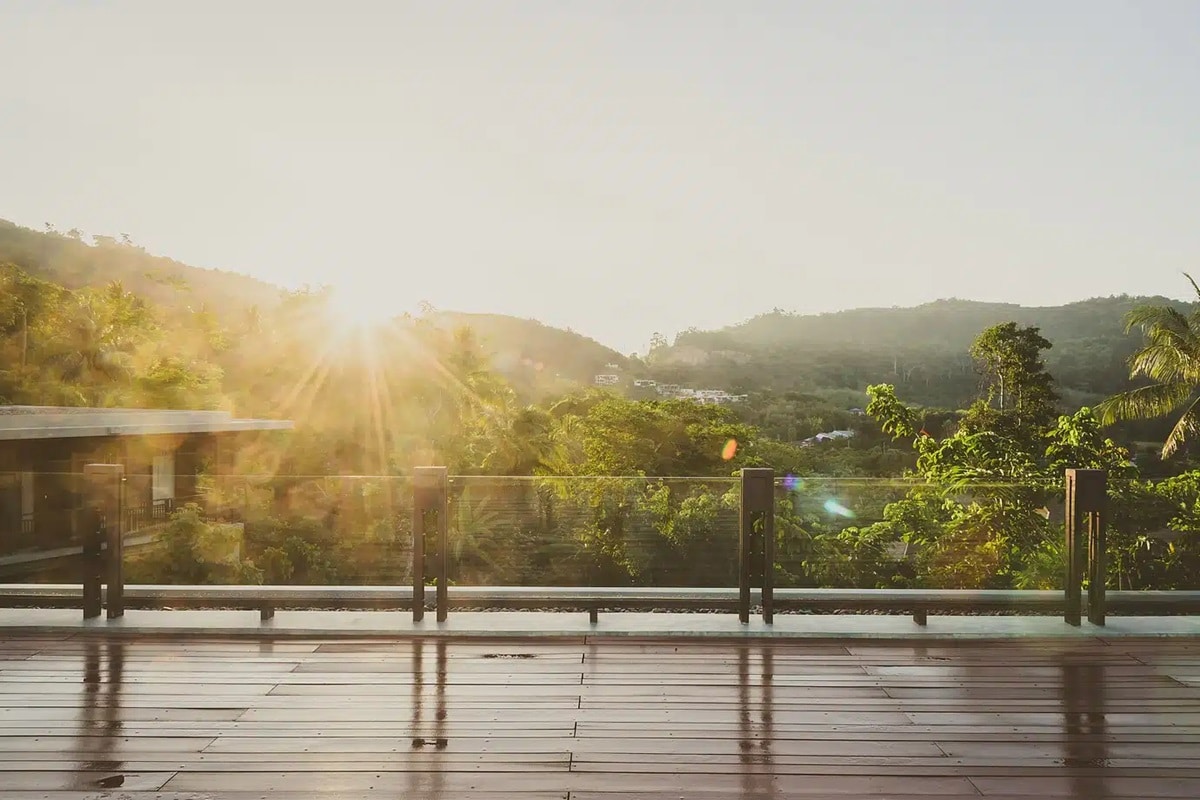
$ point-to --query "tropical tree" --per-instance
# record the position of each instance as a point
(92, 339)
(1170, 359)
(24, 300)
(1020, 391)
(522, 445)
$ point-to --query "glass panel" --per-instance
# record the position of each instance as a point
(893, 533)
(831, 532)
(593, 531)
(1154, 533)
(39, 526)
(281, 530)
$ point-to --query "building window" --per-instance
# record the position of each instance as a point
(162, 483)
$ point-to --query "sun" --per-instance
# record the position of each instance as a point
(358, 308)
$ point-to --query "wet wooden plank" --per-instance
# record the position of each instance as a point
(753, 791)
(85, 780)
(306, 759)
(1055, 720)
(239, 795)
(1149, 752)
(126, 715)
(413, 761)
(1098, 786)
(683, 785)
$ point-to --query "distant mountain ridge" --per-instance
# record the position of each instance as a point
(951, 323)
(922, 349)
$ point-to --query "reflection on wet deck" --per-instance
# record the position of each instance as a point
(93, 717)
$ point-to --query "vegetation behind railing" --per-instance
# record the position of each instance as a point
(660, 532)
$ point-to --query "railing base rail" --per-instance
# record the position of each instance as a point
(917, 602)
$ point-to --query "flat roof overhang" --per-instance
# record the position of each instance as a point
(18, 423)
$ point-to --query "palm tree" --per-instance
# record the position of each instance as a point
(1170, 358)
(85, 349)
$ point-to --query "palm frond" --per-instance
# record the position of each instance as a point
(1163, 318)
(1188, 425)
(1165, 363)
(1157, 400)
(1193, 283)
(1166, 328)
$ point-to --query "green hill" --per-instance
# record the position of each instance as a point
(922, 350)
(539, 360)
(536, 358)
(69, 261)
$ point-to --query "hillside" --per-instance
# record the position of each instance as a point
(951, 323)
(67, 260)
(537, 359)
(923, 350)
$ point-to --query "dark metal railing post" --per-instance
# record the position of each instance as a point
(104, 526)
(1097, 559)
(430, 497)
(756, 541)
(420, 497)
(418, 552)
(1086, 509)
(93, 560)
(443, 546)
(768, 539)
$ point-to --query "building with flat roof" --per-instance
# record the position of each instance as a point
(43, 450)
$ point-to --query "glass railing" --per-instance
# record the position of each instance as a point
(831, 532)
(272, 530)
(593, 531)
(285, 530)
(880, 533)
(1153, 534)
(596, 531)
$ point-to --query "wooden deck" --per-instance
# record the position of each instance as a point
(85, 716)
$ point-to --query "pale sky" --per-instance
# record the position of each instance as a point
(621, 167)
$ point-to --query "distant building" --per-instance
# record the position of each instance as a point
(827, 436)
(717, 396)
(704, 396)
(608, 380)
(644, 384)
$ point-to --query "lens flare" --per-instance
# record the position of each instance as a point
(792, 483)
(729, 450)
(836, 508)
